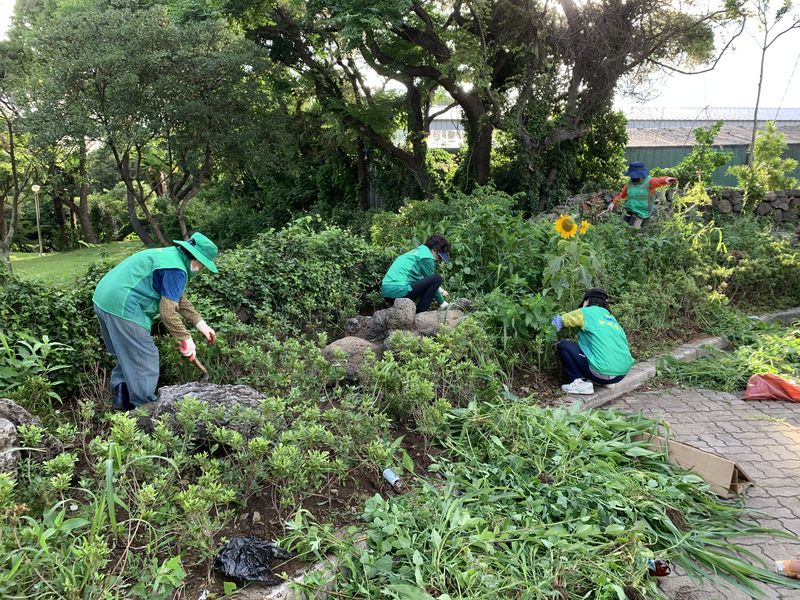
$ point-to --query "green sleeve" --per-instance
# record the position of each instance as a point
(573, 319)
(427, 266)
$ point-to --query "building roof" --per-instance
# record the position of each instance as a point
(682, 136)
(708, 113)
(454, 113)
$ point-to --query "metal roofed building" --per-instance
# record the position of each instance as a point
(661, 137)
(653, 117)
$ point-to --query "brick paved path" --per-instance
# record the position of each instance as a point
(762, 437)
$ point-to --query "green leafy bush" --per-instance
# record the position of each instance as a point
(29, 370)
(62, 316)
(490, 242)
(761, 269)
(699, 165)
(523, 322)
(420, 379)
(769, 171)
(311, 275)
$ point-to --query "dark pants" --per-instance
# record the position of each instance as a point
(631, 218)
(136, 354)
(423, 291)
(576, 365)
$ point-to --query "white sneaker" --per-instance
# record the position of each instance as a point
(579, 386)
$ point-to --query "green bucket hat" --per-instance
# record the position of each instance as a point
(202, 248)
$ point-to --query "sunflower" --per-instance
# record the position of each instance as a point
(566, 227)
(584, 227)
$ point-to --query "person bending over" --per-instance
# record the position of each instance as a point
(127, 299)
(601, 355)
(413, 274)
(638, 195)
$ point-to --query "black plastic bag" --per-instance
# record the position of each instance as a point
(248, 559)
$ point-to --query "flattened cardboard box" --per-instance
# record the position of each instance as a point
(726, 478)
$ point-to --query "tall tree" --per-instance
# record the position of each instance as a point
(14, 160)
(165, 95)
(306, 39)
(503, 62)
(772, 26)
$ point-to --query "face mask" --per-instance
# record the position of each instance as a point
(194, 266)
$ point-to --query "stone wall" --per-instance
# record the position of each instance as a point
(780, 205)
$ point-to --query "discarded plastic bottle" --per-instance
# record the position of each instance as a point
(392, 478)
(658, 567)
(788, 568)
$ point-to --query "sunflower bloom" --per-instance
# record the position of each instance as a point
(584, 227)
(566, 227)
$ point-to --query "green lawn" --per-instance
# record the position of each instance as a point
(61, 268)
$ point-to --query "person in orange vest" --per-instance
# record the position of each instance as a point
(637, 195)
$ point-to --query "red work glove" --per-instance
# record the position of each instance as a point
(188, 349)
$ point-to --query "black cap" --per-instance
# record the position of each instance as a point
(598, 293)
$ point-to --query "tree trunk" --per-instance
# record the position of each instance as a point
(137, 226)
(362, 172)
(758, 100)
(9, 228)
(479, 139)
(181, 212)
(83, 191)
(5, 263)
(418, 134)
(58, 211)
(124, 167)
(482, 154)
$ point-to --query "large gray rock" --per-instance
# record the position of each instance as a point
(770, 196)
(401, 315)
(231, 406)
(13, 412)
(355, 352)
(763, 209)
(428, 323)
(782, 203)
(372, 328)
(9, 455)
(725, 207)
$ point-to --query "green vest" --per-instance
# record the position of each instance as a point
(604, 342)
(127, 290)
(639, 198)
(406, 269)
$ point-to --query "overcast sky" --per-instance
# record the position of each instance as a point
(732, 83)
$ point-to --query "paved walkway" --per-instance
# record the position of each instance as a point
(762, 437)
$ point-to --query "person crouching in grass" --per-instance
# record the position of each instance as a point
(602, 354)
(413, 274)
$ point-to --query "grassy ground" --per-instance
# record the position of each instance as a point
(62, 267)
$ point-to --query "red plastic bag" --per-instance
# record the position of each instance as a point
(771, 387)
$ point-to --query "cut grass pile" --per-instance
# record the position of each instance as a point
(61, 268)
(558, 503)
(768, 349)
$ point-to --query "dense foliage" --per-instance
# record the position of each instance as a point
(769, 170)
(547, 501)
(319, 440)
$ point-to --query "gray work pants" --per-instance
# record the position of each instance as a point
(136, 354)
